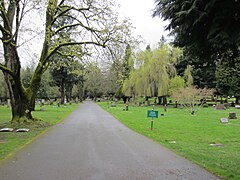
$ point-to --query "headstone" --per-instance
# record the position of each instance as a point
(224, 120)
(42, 102)
(126, 107)
(216, 144)
(6, 130)
(232, 115)
(22, 130)
(220, 107)
(8, 103)
(237, 106)
(113, 105)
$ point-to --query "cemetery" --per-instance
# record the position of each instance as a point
(210, 137)
(182, 92)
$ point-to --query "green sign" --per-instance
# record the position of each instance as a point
(152, 114)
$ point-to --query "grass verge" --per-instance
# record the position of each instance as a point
(10, 142)
(190, 136)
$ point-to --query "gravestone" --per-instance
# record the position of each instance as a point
(224, 120)
(113, 105)
(126, 107)
(237, 106)
(8, 103)
(6, 130)
(22, 130)
(220, 107)
(216, 144)
(42, 102)
(232, 115)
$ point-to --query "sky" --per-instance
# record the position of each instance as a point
(140, 14)
(138, 11)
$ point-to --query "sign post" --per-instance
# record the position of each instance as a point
(152, 114)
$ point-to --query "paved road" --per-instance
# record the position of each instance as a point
(91, 145)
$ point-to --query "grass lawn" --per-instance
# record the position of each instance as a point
(10, 142)
(190, 136)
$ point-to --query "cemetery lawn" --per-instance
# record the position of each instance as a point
(200, 138)
(10, 142)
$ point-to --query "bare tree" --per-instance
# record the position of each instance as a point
(191, 98)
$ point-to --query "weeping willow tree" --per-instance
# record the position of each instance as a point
(154, 72)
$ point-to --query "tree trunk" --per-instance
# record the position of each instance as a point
(32, 105)
(62, 89)
(164, 100)
(19, 98)
(159, 100)
(22, 100)
(237, 100)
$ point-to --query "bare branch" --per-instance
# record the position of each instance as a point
(62, 1)
(68, 8)
(75, 25)
(71, 44)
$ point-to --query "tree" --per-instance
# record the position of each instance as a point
(96, 24)
(155, 71)
(127, 66)
(176, 83)
(48, 89)
(228, 76)
(207, 24)
(93, 85)
(113, 78)
(203, 68)
(206, 29)
(191, 97)
(188, 76)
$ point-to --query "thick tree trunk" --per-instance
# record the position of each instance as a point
(20, 100)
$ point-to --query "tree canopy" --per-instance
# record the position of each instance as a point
(202, 24)
(152, 76)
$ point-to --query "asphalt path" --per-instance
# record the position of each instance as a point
(92, 145)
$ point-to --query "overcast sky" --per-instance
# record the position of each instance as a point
(140, 13)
